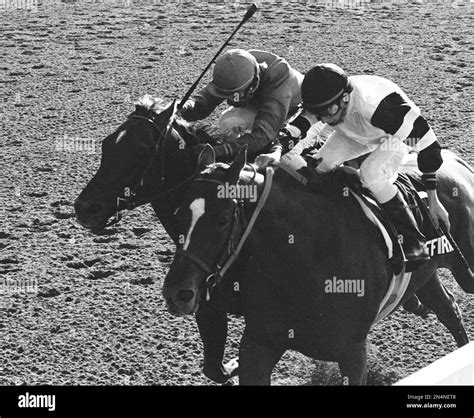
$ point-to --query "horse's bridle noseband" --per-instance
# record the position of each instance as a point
(230, 250)
(130, 199)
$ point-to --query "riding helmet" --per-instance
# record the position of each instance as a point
(234, 71)
(322, 85)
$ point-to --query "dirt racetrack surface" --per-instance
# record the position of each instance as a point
(70, 72)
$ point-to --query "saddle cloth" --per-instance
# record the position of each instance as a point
(416, 198)
(413, 192)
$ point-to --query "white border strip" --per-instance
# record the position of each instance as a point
(457, 368)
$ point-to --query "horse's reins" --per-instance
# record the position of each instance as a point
(130, 201)
(227, 258)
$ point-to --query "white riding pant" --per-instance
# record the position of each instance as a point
(238, 120)
(379, 170)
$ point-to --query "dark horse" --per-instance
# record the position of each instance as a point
(138, 166)
(301, 240)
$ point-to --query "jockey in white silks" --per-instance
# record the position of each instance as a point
(372, 115)
(264, 91)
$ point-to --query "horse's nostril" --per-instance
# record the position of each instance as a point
(184, 296)
(85, 207)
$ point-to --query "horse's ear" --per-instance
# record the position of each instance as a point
(206, 157)
(240, 160)
(170, 110)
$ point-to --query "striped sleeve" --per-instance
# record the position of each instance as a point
(429, 161)
(397, 117)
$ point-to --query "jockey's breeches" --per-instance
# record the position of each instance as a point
(377, 172)
(237, 120)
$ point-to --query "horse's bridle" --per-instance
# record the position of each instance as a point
(230, 251)
(214, 271)
(130, 199)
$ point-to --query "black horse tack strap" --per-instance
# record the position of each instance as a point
(260, 204)
(215, 274)
(214, 278)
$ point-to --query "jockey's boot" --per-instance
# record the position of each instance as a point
(413, 241)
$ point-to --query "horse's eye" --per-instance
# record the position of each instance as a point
(222, 221)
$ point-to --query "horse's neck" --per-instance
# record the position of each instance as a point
(166, 207)
(290, 207)
(165, 212)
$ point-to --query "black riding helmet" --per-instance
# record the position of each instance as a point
(323, 85)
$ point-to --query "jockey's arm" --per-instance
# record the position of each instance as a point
(269, 120)
(200, 105)
(429, 161)
(400, 117)
(422, 139)
(293, 132)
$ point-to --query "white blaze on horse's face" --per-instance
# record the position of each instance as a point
(197, 208)
(120, 136)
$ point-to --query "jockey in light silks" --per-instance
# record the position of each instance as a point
(371, 114)
(263, 91)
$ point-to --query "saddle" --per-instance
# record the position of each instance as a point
(412, 189)
(415, 195)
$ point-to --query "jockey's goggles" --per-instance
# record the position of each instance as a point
(329, 110)
(241, 98)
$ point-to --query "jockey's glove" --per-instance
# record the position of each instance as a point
(187, 109)
(429, 161)
(292, 133)
(286, 140)
(298, 127)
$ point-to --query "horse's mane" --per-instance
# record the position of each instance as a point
(203, 132)
(151, 104)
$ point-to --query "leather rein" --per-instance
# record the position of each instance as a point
(230, 251)
(130, 198)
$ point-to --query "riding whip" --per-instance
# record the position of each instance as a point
(250, 12)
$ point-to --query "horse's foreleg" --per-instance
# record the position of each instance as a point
(256, 360)
(441, 301)
(462, 273)
(212, 326)
(461, 209)
(414, 306)
(353, 364)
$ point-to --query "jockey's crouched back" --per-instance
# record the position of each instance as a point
(263, 91)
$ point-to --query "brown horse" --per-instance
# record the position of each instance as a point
(303, 239)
